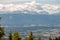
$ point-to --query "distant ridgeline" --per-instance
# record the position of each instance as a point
(22, 19)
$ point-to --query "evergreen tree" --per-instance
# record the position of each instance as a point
(59, 38)
(10, 36)
(1, 32)
(56, 38)
(39, 38)
(26, 38)
(19, 38)
(16, 36)
(31, 36)
(50, 38)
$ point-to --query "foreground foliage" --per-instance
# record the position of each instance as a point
(16, 36)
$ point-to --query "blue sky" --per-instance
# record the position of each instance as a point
(23, 1)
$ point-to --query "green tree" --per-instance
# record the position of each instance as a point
(50, 38)
(59, 38)
(1, 32)
(31, 36)
(10, 36)
(16, 36)
(56, 38)
(26, 38)
(39, 38)
(19, 38)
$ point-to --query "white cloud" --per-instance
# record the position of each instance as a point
(14, 0)
(25, 0)
(51, 8)
(33, 6)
